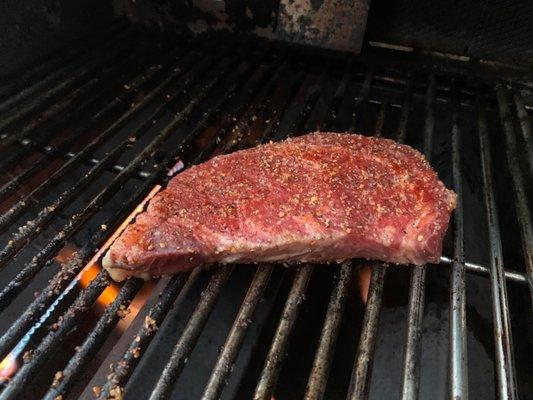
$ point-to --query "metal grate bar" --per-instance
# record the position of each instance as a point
(174, 369)
(251, 99)
(378, 130)
(458, 354)
(406, 108)
(430, 118)
(54, 338)
(326, 121)
(59, 281)
(32, 227)
(61, 284)
(482, 270)
(269, 375)
(9, 216)
(141, 174)
(271, 128)
(131, 88)
(362, 369)
(415, 311)
(90, 67)
(50, 71)
(238, 116)
(338, 97)
(521, 202)
(257, 108)
(180, 116)
(505, 373)
(363, 95)
(316, 385)
(124, 367)
(233, 343)
(298, 127)
(525, 127)
(191, 333)
(78, 219)
(94, 340)
(415, 314)
(71, 107)
(39, 143)
(171, 158)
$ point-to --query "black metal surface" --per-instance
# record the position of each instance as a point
(209, 96)
(492, 30)
(316, 384)
(458, 333)
(506, 379)
(417, 288)
(95, 339)
(231, 347)
(190, 335)
(522, 209)
(123, 368)
(362, 369)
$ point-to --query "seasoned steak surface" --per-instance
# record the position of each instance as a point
(318, 197)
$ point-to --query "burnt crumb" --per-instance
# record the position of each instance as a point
(117, 393)
(123, 311)
(136, 352)
(150, 324)
(97, 390)
(58, 377)
(27, 356)
(55, 326)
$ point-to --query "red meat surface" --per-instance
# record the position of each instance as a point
(315, 198)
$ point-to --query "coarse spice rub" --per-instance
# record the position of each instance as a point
(315, 198)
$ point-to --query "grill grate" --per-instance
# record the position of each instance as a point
(115, 119)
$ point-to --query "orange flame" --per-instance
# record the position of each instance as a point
(66, 253)
(89, 273)
(8, 366)
(365, 272)
(93, 268)
(108, 295)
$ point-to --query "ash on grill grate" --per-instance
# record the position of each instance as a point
(108, 133)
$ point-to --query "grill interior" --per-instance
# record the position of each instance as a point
(85, 136)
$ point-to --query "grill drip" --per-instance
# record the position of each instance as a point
(86, 136)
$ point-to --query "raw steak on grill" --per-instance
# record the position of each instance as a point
(315, 198)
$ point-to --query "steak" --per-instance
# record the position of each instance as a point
(316, 198)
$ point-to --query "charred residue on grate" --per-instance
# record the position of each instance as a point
(207, 96)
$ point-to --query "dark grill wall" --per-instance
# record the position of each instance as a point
(30, 29)
(488, 29)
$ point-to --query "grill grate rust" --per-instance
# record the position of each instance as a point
(213, 95)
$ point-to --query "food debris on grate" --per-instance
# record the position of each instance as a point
(115, 126)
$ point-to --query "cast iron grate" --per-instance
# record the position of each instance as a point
(82, 146)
